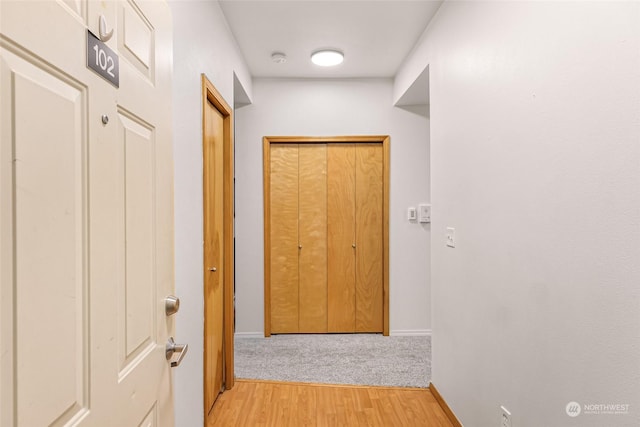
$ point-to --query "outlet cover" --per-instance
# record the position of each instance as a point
(505, 417)
(451, 237)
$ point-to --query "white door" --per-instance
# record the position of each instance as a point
(86, 215)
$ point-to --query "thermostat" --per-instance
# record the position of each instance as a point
(411, 214)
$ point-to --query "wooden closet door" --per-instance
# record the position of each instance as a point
(312, 228)
(284, 238)
(369, 238)
(341, 233)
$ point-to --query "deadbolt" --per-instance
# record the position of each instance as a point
(171, 305)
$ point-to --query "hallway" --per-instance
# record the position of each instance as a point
(137, 212)
(269, 403)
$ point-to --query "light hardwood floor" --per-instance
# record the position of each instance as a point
(271, 403)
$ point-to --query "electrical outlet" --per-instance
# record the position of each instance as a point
(451, 237)
(505, 417)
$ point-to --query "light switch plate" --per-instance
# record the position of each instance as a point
(451, 237)
(424, 213)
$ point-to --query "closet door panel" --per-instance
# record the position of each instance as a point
(341, 271)
(312, 178)
(369, 238)
(284, 238)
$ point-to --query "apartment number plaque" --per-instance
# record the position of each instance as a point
(102, 60)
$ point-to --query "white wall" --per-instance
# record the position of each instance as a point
(202, 44)
(329, 108)
(535, 127)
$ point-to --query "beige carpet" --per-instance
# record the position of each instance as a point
(364, 359)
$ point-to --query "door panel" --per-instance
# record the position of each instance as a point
(341, 269)
(312, 217)
(138, 324)
(50, 243)
(284, 238)
(369, 240)
(214, 263)
(136, 40)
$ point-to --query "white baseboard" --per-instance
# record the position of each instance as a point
(410, 333)
(249, 334)
(396, 333)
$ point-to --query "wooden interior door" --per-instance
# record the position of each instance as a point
(284, 247)
(218, 260)
(86, 258)
(214, 268)
(341, 237)
(369, 238)
(312, 217)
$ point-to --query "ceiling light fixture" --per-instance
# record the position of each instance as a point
(278, 57)
(327, 57)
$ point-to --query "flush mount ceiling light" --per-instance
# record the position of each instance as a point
(327, 57)
(278, 57)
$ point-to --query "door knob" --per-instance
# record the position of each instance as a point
(353, 245)
(173, 348)
(171, 305)
(299, 246)
(213, 269)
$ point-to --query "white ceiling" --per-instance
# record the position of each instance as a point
(375, 35)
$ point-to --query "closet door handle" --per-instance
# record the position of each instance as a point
(299, 246)
(353, 245)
